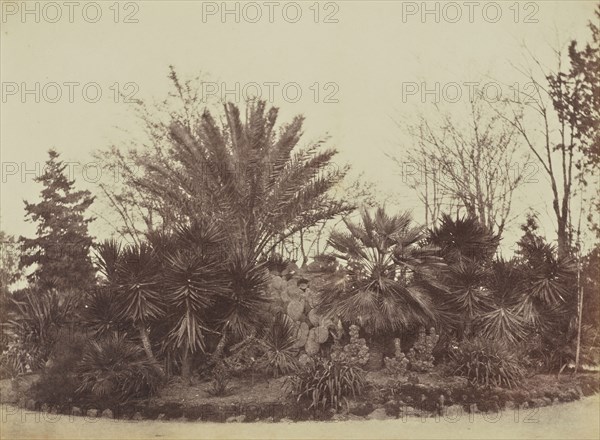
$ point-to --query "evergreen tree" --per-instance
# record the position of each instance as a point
(60, 250)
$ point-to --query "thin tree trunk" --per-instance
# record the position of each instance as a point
(218, 353)
(186, 367)
(148, 347)
(579, 315)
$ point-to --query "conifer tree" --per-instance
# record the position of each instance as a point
(60, 250)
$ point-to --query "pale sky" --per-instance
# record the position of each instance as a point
(361, 55)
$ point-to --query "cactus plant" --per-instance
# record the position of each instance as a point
(399, 363)
(302, 335)
(295, 309)
(420, 356)
(355, 352)
(322, 334)
(312, 345)
(314, 318)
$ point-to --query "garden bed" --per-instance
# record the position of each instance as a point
(424, 395)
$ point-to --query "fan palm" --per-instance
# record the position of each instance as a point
(384, 285)
(502, 321)
(462, 238)
(468, 248)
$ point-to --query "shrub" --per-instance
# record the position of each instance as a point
(327, 383)
(117, 368)
(220, 382)
(273, 350)
(58, 384)
(33, 327)
(488, 363)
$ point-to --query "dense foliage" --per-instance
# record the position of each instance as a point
(60, 252)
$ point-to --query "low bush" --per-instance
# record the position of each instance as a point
(57, 384)
(488, 363)
(116, 368)
(327, 384)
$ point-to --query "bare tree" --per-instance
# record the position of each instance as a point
(474, 166)
(556, 115)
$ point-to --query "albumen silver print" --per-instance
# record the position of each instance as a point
(300, 219)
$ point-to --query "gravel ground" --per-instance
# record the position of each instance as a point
(575, 420)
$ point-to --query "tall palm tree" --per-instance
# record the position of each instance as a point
(242, 173)
(387, 280)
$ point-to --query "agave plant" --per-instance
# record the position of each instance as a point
(548, 303)
(384, 285)
(243, 309)
(502, 321)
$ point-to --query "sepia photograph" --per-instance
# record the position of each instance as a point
(311, 219)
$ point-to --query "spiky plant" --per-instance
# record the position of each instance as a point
(548, 302)
(502, 321)
(116, 368)
(244, 175)
(193, 283)
(278, 341)
(462, 238)
(35, 319)
(100, 312)
(379, 289)
(139, 298)
(467, 247)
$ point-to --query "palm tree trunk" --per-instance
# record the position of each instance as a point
(148, 347)
(218, 353)
(186, 367)
(376, 351)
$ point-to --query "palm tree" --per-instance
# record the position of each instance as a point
(387, 280)
(244, 175)
(194, 280)
(548, 301)
(501, 321)
(463, 238)
(132, 274)
(468, 248)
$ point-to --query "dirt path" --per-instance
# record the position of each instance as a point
(575, 420)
